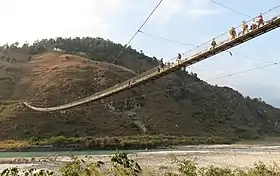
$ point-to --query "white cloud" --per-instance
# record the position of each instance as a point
(168, 9)
(185, 8)
(201, 12)
(32, 19)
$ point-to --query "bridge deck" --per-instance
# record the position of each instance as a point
(154, 74)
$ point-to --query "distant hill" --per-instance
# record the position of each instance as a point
(48, 78)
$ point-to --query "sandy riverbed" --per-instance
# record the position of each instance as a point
(236, 156)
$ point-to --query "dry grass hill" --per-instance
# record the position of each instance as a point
(51, 78)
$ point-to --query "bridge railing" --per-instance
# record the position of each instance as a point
(221, 39)
(176, 65)
(225, 37)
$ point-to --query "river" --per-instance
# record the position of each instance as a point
(232, 156)
(179, 149)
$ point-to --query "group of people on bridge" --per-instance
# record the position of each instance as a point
(168, 64)
(256, 23)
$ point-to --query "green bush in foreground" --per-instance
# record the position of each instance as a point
(121, 165)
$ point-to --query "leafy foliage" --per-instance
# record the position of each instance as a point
(96, 49)
(112, 143)
(31, 172)
(127, 166)
(121, 165)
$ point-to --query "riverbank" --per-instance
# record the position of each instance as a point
(225, 156)
(61, 143)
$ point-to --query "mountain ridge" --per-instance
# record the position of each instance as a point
(52, 78)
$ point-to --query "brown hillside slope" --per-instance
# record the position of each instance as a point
(54, 78)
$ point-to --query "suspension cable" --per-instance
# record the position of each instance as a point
(188, 85)
(166, 39)
(231, 9)
(206, 41)
(125, 47)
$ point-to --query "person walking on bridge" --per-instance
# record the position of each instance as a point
(245, 27)
(161, 63)
(260, 20)
(232, 33)
(253, 25)
(179, 58)
(213, 44)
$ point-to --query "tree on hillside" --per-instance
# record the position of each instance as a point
(25, 45)
(14, 45)
(95, 49)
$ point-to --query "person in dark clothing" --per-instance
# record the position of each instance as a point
(260, 20)
(253, 26)
(179, 58)
(213, 44)
(161, 63)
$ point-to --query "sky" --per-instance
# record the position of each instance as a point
(187, 21)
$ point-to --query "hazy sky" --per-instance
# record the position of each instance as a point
(189, 21)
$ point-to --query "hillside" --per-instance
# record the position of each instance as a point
(48, 78)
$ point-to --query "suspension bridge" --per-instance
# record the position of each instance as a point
(157, 72)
